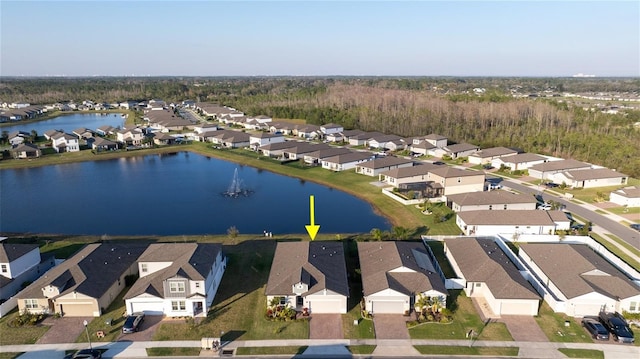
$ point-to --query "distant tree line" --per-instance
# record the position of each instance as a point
(404, 106)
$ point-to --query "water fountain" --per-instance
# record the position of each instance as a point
(235, 188)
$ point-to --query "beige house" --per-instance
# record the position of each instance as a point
(491, 200)
(85, 284)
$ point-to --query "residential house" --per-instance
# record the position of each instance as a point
(231, 139)
(309, 276)
(386, 142)
(101, 144)
(84, 284)
(83, 133)
(519, 162)
(282, 128)
(628, 196)
(331, 129)
(177, 279)
(578, 276)
(163, 139)
(345, 161)
(455, 180)
(106, 130)
(376, 166)
(50, 133)
(276, 150)
(487, 155)
(308, 132)
(457, 151)
(204, 128)
(316, 157)
(398, 176)
(491, 200)
(20, 264)
(26, 150)
(301, 149)
(396, 273)
(423, 148)
(546, 170)
(590, 178)
(130, 136)
(511, 222)
(436, 140)
(361, 139)
(64, 142)
(260, 139)
(488, 273)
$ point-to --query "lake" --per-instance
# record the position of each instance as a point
(69, 122)
(173, 194)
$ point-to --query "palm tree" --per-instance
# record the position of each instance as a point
(400, 233)
(233, 232)
(376, 233)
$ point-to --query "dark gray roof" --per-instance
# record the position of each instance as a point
(531, 217)
(280, 145)
(384, 162)
(460, 147)
(12, 251)
(379, 262)
(349, 157)
(191, 261)
(562, 165)
(451, 172)
(319, 264)
(523, 158)
(305, 147)
(577, 270)
(329, 152)
(481, 260)
(91, 271)
(591, 174)
(494, 151)
(417, 170)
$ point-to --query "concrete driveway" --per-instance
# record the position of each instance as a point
(146, 331)
(391, 326)
(63, 330)
(523, 328)
(325, 326)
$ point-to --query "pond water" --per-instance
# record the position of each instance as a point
(180, 193)
(68, 123)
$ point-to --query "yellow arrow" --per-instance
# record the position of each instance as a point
(312, 228)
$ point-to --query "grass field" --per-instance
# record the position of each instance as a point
(457, 350)
(582, 353)
(159, 352)
(27, 334)
(259, 351)
(9, 355)
(553, 326)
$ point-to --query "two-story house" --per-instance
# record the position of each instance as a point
(64, 142)
(177, 279)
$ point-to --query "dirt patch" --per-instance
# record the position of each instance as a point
(63, 330)
(391, 326)
(146, 331)
(325, 326)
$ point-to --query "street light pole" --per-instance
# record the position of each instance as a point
(87, 331)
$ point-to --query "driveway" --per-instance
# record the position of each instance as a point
(63, 330)
(325, 326)
(523, 328)
(146, 331)
(391, 326)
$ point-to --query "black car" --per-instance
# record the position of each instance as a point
(595, 328)
(132, 323)
(85, 354)
(635, 226)
(618, 327)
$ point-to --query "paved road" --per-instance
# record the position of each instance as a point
(621, 231)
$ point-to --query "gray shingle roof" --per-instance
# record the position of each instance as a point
(494, 151)
(559, 165)
(490, 197)
(378, 260)
(522, 158)
(321, 265)
(385, 162)
(577, 270)
(349, 157)
(417, 170)
(507, 217)
(598, 173)
(12, 251)
(481, 260)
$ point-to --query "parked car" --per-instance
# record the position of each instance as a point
(617, 325)
(545, 206)
(635, 226)
(132, 323)
(550, 185)
(493, 186)
(579, 227)
(595, 328)
(85, 354)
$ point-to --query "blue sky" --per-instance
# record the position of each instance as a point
(306, 38)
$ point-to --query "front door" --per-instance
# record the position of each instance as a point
(299, 302)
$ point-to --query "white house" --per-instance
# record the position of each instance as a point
(487, 155)
(578, 276)
(177, 279)
(519, 162)
(438, 141)
(590, 178)
(64, 142)
(491, 200)
(309, 276)
(130, 136)
(331, 129)
(511, 222)
(395, 273)
(628, 196)
(345, 161)
(378, 165)
(546, 170)
(488, 273)
(264, 138)
(456, 151)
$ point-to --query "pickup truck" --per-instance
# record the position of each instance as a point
(618, 327)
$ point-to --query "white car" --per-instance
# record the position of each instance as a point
(545, 207)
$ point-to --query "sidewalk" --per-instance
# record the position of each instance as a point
(385, 347)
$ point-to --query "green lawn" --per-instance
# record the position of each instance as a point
(625, 210)
(364, 329)
(457, 350)
(27, 334)
(240, 304)
(589, 195)
(437, 247)
(258, 351)
(361, 349)
(465, 318)
(114, 313)
(9, 355)
(553, 326)
(582, 353)
(182, 351)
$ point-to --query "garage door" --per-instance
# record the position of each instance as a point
(387, 307)
(149, 308)
(77, 309)
(324, 306)
(583, 309)
(508, 308)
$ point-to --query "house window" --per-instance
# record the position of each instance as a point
(283, 300)
(4, 268)
(144, 267)
(490, 207)
(31, 303)
(478, 284)
(197, 284)
(633, 306)
(176, 287)
(505, 207)
(178, 305)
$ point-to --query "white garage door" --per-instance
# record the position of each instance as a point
(324, 306)
(509, 308)
(149, 308)
(583, 309)
(387, 307)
